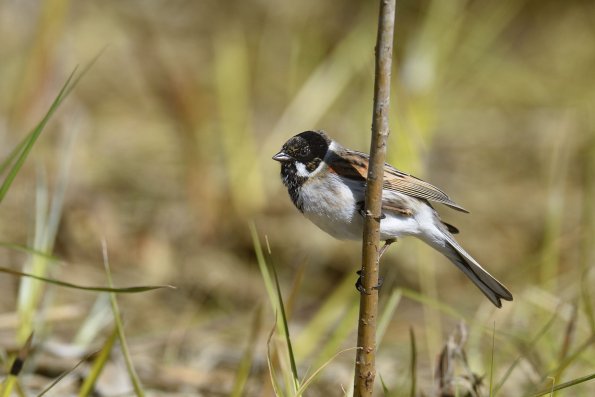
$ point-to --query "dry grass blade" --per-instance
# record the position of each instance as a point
(126, 290)
(98, 365)
(62, 376)
(453, 374)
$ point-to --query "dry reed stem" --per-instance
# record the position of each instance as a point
(365, 370)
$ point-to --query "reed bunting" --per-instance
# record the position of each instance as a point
(327, 182)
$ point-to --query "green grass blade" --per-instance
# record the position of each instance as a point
(286, 330)
(565, 363)
(83, 72)
(311, 378)
(531, 346)
(274, 293)
(264, 270)
(492, 360)
(444, 308)
(413, 365)
(384, 387)
(246, 362)
(16, 367)
(19, 154)
(272, 373)
(29, 250)
(330, 312)
(588, 239)
(98, 365)
(13, 155)
(120, 328)
(387, 314)
(8, 385)
(564, 385)
(31, 138)
(127, 290)
(339, 333)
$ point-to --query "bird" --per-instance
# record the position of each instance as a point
(326, 182)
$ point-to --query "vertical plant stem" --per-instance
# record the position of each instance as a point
(365, 370)
(138, 390)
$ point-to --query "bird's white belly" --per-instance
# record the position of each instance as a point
(331, 205)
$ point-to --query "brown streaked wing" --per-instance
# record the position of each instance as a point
(354, 165)
(407, 184)
(351, 165)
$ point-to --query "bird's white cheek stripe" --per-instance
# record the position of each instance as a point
(301, 169)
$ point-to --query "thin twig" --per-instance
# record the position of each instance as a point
(365, 370)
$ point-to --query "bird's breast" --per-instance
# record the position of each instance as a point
(331, 205)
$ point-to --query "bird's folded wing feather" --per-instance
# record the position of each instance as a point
(354, 165)
(407, 184)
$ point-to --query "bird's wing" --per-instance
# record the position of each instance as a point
(401, 182)
(354, 165)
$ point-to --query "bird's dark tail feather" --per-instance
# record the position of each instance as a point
(491, 287)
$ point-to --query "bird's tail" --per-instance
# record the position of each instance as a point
(491, 287)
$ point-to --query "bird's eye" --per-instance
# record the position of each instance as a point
(304, 152)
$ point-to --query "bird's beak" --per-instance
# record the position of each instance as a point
(281, 157)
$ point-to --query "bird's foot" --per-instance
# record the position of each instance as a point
(360, 286)
(361, 208)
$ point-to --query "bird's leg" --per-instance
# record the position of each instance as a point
(402, 210)
(361, 205)
(387, 243)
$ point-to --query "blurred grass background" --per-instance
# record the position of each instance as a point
(164, 149)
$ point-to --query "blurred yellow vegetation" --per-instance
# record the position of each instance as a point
(167, 143)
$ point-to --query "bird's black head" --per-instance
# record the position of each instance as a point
(308, 148)
(299, 157)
